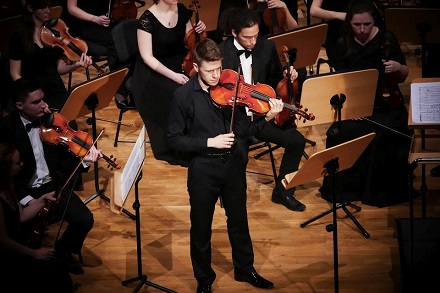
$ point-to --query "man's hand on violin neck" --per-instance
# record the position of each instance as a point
(276, 106)
(93, 155)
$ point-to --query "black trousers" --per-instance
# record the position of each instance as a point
(78, 217)
(208, 179)
(293, 143)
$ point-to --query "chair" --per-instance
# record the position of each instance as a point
(255, 144)
(125, 39)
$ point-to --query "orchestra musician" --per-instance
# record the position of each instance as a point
(90, 21)
(158, 72)
(45, 168)
(39, 266)
(30, 58)
(379, 177)
(202, 128)
(263, 66)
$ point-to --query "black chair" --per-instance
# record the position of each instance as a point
(255, 144)
(125, 38)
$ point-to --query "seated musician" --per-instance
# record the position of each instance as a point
(43, 272)
(261, 64)
(45, 168)
(29, 57)
(379, 177)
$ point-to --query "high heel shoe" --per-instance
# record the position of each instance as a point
(121, 104)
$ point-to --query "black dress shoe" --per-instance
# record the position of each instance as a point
(204, 288)
(435, 172)
(252, 278)
(288, 201)
(70, 263)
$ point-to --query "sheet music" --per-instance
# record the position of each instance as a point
(133, 165)
(425, 102)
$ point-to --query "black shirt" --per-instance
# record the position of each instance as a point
(194, 118)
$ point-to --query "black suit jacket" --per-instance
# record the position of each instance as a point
(60, 162)
(266, 64)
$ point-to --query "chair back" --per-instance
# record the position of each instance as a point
(125, 39)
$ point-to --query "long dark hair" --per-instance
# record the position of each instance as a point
(237, 19)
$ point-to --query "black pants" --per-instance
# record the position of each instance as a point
(78, 217)
(208, 179)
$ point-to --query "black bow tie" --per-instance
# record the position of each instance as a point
(247, 53)
(35, 124)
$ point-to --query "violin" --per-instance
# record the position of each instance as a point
(275, 19)
(255, 97)
(287, 91)
(55, 33)
(191, 39)
(391, 97)
(55, 130)
(123, 9)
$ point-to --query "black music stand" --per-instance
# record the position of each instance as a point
(329, 162)
(353, 89)
(88, 97)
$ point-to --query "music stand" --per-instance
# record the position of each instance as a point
(351, 95)
(88, 97)
(307, 41)
(329, 162)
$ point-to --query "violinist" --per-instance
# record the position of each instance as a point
(260, 63)
(39, 267)
(200, 127)
(31, 59)
(158, 70)
(90, 20)
(381, 173)
(45, 168)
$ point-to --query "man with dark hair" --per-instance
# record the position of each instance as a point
(45, 168)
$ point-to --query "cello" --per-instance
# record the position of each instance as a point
(275, 19)
(288, 92)
(191, 39)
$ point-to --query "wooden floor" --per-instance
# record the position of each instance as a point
(296, 259)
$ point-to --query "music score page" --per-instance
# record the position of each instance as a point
(425, 102)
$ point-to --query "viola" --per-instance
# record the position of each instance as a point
(55, 33)
(123, 9)
(256, 97)
(55, 130)
(191, 39)
(275, 19)
(288, 91)
(391, 97)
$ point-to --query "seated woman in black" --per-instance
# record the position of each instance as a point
(379, 177)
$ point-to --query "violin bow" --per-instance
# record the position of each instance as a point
(65, 184)
(235, 99)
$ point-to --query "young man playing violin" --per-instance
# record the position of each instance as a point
(45, 168)
(202, 128)
(260, 64)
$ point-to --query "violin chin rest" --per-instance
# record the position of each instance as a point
(51, 22)
(47, 120)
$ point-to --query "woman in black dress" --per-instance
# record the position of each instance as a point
(24, 269)
(30, 58)
(158, 69)
(379, 177)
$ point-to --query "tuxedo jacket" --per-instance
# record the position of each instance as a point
(60, 161)
(266, 64)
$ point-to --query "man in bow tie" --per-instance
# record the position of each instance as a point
(45, 168)
(263, 66)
